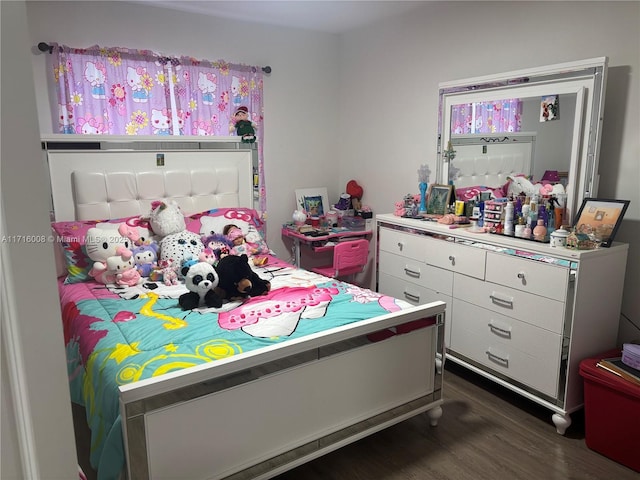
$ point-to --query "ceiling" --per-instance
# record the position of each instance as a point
(335, 16)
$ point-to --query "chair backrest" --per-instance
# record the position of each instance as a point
(350, 256)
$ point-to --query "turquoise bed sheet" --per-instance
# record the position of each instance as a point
(118, 336)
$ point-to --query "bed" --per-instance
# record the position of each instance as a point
(249, 390)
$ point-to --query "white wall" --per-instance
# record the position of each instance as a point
(354, 126)
(36, 413)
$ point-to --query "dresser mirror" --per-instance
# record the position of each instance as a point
(532, 122)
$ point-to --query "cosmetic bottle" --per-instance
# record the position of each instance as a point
(508, 218)
(540, 231)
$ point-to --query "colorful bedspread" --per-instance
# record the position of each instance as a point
(115, 336)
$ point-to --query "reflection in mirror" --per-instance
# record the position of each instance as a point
(528, 122)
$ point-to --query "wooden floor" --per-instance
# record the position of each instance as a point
(486, 432)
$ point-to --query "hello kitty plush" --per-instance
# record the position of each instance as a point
(121, 268)
(100, 245)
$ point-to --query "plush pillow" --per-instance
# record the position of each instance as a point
(467, 193)
(214, 222)
(70, 236)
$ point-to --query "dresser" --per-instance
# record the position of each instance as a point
(521, 313)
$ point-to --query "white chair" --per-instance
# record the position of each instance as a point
(349, 258)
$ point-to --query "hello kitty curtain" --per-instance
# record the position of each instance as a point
(123, 91)
(487, 117)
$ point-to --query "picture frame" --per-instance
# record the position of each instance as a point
(549, 108)
(438, 198)
(600, 218)
(314, 201)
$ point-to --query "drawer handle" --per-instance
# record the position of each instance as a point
(503, 332)
(400, 246)
(452, 259)
(415, 298)
(497, 358)
(521, 275)
(412, 273)
(502, 302)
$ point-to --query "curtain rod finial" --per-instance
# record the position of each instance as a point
(266, 69)
(45, 47)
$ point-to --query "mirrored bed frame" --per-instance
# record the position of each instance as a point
(284, 404)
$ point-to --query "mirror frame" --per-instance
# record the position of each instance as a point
(585, 78)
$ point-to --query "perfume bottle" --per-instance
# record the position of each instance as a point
(542, 214)
(526, 208)
(540, 231)
(551, 221)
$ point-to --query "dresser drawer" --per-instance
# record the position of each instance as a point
(522, 352)
(538, 278)
(414, 294)
(433, 251)
(417, 272)
(406, 244)
(455, 257)
(529, 308)
(411, 292)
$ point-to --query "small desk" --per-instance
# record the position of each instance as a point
(334, 234)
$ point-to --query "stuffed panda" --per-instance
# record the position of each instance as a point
(200, 278)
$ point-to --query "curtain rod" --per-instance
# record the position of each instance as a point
(45, 47)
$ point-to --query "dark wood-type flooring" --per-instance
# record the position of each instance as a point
(485, 432)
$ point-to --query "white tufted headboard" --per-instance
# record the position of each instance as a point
(89, 185)
(487, 160)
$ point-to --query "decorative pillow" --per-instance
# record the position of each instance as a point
(71, 237)
(467, 193)
(214, 221)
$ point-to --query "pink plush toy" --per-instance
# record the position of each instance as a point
(130, 233)
(122, 268)
(129, 277)
(208, 256)
(169, 274)
(546, 189)
(400, 210)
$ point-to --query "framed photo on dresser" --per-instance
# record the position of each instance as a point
(600, 219)
(438, 198)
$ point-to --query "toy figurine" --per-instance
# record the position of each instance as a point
(243, 126)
